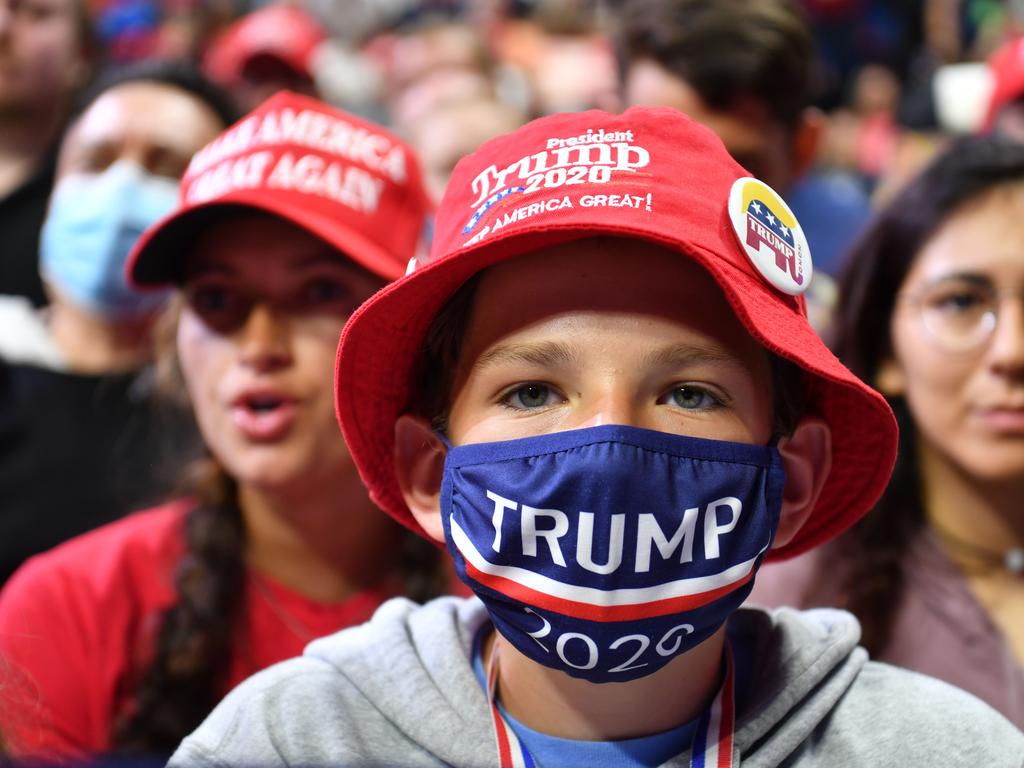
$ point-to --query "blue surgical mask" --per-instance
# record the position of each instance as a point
(90, 228)
(608, 551)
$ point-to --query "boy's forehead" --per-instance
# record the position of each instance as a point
(623, 281)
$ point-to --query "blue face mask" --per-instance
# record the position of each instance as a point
(606, 552)
(91, 226)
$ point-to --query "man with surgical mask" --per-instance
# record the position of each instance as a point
(81, 441)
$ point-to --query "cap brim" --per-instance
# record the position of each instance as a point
(382, 341)
(158, 258)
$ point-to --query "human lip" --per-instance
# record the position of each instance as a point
(264, 414)
(1004, 419)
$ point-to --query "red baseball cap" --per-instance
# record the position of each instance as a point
(1007, 67)
(283, 32)
(649, 173)
(346, 180)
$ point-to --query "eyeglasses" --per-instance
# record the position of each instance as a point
(961, 313)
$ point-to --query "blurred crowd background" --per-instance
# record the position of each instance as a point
(892, 81)
(892, 78)
(103, 103)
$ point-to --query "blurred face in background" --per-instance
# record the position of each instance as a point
(265, 302)
(958, 340)
(117, 173)
(754, 138)
(446, 134)
(432, 68)
(42, 53)
(156, 126)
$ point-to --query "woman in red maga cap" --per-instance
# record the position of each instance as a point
(122, 640)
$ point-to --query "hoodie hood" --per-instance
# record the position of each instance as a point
(802, 664)
(400, 691)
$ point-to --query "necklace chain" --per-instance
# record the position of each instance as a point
(296, 627)
(1011, 560)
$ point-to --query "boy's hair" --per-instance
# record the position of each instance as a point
(443, 346)
(727, 50)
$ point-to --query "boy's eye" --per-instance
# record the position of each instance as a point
(529, 396)
(690, 398)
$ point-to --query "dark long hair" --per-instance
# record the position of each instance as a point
(188, 672)
(875, 270)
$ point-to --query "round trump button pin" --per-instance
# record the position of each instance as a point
(770, 235)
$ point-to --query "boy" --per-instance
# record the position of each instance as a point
(602, 392)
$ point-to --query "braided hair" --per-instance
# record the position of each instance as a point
(188, 672)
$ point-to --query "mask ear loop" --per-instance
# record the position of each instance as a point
(776, 466)
(443, 439)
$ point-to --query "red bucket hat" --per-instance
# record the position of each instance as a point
(346, 180)
(651, 174)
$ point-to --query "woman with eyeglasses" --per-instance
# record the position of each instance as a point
(932, 312)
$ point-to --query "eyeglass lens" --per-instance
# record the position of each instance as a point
(959, 313)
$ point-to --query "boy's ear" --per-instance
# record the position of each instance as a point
(419, 467)
(889, 380)
(807, 459)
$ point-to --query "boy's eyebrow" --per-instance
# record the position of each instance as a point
(681, 355)
(545, 353)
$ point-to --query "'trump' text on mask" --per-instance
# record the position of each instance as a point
(606, 552)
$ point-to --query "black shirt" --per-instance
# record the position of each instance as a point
(78, 451)
(21, 218)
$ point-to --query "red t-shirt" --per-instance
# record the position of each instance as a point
(78, 624)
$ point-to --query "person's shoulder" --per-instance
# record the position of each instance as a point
(815, 698)
(26, 339)
(406, 648)
(141, 546)
(148, 532)
(925, 721)
(398, 624)
(299, 696)
(401, 681)
(786, 634)
(385, 653)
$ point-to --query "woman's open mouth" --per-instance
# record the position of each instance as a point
(263, 416)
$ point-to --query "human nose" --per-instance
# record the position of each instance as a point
(265, 339)
(612, 405)
(1006, 348)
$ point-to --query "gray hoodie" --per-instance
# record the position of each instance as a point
(400, 691)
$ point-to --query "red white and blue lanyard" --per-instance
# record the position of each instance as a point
(712, 745)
